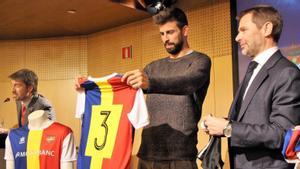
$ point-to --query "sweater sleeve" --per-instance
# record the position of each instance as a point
(182, 82)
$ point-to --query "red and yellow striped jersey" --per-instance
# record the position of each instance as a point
(108, 109)
(40, 149)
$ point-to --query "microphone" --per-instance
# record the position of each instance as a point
(6, 100)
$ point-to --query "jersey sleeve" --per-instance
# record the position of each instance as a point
(8, 150)
(68, 149)
(291, 146)
(80, 104)
(138, 115)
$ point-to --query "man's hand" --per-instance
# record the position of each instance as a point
(214, 126)
(297, 127)
(3, 130)
(136, 79)
(78, 81)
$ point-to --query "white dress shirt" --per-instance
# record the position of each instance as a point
(261, 59)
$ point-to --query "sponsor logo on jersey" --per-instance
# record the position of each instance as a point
(22, 140)
(30, 153)
(50, 139)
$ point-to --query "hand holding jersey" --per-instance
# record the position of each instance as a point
(136, 79)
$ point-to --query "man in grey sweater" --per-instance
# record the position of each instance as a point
(176, 87)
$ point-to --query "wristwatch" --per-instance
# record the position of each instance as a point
(227, 130)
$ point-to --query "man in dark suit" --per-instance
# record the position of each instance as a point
(24, 91)
(267, 102)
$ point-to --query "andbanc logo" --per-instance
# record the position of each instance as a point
(31, 153)
(50, 139)
(22, 140)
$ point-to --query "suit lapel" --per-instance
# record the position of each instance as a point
(30, 106)
(260, 77)
(257, 82)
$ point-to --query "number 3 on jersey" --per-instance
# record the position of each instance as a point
(103, 130)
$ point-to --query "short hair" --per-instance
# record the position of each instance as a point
(27, 76)
(265, 13)
(171, 14)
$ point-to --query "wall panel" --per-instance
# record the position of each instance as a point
(12, 54)
(56, 61)
(62, 58)
(105, 50)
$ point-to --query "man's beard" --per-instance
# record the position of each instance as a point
(176, 49)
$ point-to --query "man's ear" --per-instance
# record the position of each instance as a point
(267, 29)
(29, 90)
(185, 30)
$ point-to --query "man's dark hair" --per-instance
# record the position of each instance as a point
(171, 14)
(28, 77)
(262, 14)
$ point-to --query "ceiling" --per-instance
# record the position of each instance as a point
(24, 19)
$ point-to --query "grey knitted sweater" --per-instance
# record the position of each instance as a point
(174, 100)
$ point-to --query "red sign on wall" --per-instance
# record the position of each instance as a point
(127, 52)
